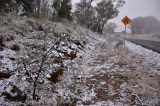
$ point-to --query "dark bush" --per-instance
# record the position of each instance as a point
(1, 48)
(4, 75)
(15, 47)
(35, 25)
(10, 38)
(20, 96)
(1, 57)
(1, 40)
(11, 58)
(55, 76)
(1, 43)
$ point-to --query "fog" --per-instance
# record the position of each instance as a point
(135, 8)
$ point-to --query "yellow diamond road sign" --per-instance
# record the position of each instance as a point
(126, 20)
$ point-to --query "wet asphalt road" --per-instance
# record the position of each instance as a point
(152, 45)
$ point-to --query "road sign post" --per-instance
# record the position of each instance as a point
(125, 21)
(125, 34)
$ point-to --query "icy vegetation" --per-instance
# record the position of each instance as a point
(44, 63)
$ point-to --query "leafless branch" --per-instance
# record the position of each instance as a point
(25, 67)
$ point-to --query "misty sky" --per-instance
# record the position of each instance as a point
(135, 8)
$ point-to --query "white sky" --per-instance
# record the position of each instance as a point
(135, 8)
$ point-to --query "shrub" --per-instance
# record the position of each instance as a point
(15, 47)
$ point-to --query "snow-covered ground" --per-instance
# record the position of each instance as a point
(151, 57)
(96, 76)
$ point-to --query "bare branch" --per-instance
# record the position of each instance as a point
(25, 67)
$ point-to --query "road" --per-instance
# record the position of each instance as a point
(152, 45)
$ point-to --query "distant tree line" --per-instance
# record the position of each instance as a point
(94, 17)
(16, 5)
(59, 8)
(145, 25)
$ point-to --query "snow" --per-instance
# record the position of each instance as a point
(95, 59)
(150, 56)
(5, 63)
(7, 53)
(102, 83)
(88, 96)
(106, 103)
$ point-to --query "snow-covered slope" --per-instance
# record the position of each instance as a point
(72, 66)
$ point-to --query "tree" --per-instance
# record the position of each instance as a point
(151, 24)
(96, 17)
(62, 8)
(11, 5)
(5, 5)
(27, 5)
(137, 25)
(85, 13)
(56, 4)
(45, 8)
(105, 11)
(65, 9)
(37, 4)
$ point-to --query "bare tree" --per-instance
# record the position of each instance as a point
(41, 58)
(34, 67)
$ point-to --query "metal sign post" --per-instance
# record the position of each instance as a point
(125, 21)
(125, 34)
